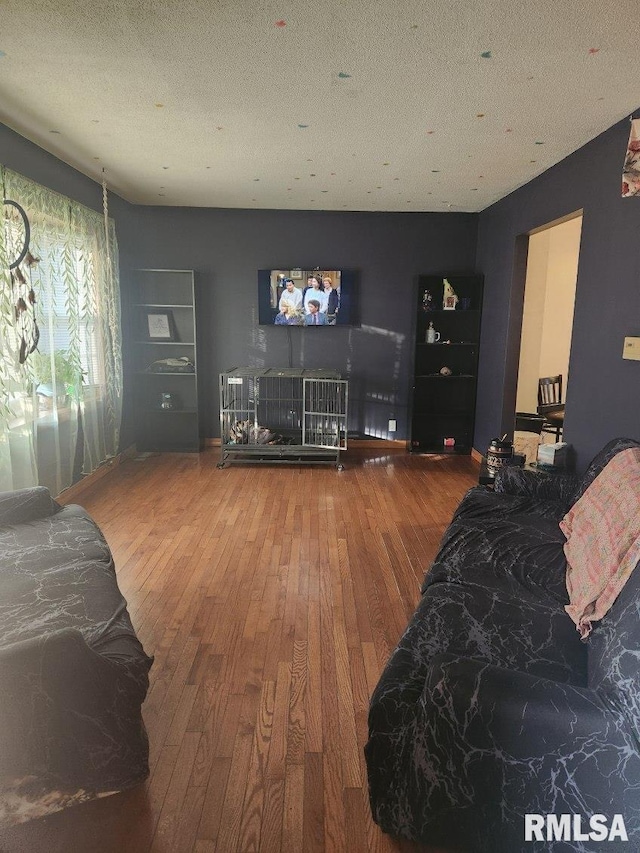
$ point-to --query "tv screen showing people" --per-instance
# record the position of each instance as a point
(297, 297)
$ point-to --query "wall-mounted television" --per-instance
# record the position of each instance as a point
(306, 297)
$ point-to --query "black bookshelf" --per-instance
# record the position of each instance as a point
(169, 423)
(443, 404)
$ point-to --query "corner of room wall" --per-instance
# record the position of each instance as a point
(607, 306)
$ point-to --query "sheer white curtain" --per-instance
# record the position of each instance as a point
(60, 409)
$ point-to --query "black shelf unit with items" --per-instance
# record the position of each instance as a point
(165, 366)
(445, 375)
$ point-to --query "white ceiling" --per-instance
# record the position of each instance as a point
(395, 105)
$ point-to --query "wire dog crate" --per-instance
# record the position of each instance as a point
(282, 415)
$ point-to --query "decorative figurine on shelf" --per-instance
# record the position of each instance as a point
(427, 301)
(167, 401)
(445, 371)
(449, 298)
(432, 336)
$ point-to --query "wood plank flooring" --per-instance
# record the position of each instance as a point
(271, 598)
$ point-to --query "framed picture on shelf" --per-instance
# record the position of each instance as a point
(160, 326)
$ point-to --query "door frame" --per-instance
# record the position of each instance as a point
(516, 313)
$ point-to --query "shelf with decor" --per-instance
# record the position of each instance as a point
(162, 305)
(165, 363)
(445, 369)
(168, 343)
(165, 412)
(164, 373)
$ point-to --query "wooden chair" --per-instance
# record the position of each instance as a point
(550, 405)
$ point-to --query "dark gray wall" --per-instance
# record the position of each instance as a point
(603, 399)
(228, 247)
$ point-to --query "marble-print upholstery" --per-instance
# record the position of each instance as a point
(73, 674)
(491, 707)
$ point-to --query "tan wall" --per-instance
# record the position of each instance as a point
(532, 321)
(552, 269)
(564, 247)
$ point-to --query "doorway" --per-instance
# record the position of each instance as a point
(549, 300)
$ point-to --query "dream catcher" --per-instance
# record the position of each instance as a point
(17, 234)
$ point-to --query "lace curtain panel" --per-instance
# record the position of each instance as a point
(60, 410)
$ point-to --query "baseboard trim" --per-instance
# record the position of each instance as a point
(475, 454)
(377, 442)
(69, 495)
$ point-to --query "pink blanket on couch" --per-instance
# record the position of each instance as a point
(603, 539)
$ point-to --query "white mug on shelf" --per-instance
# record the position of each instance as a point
(432, 336)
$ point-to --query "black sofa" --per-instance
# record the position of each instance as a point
(491, 707)
(73, 674)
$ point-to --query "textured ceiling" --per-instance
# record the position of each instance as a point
(394, 105)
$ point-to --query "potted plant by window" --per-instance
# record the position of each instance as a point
(59, 375)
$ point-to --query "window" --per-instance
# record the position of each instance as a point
(63, 403)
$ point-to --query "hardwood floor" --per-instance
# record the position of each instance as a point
(271, 598)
